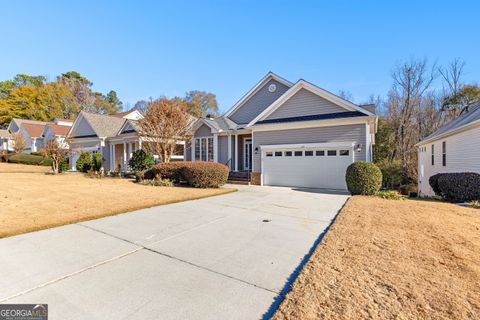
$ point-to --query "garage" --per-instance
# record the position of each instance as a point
(306, 165)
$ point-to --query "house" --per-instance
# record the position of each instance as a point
(455, 147)
(116, 137)
(6, 142)
(58, 131)
(287, 134)
(31, 131)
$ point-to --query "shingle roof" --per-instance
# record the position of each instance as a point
(466, 118)
(59, 130)
(133, 124)
(103, 125)
(34, 130)
(337, 115)
(221, 123)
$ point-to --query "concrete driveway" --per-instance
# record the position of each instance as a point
(225, 257)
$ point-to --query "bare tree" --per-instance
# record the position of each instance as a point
(346, 95)
(452, 79)
(56, 153)
(164, 123)
(19, 143)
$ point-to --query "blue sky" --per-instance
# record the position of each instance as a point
(145, 49)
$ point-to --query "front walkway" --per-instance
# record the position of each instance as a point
(225, 257)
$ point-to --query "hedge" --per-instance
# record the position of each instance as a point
(195, 174)
(363, 178)
(459, 186)
(433, 181)
(30, 159)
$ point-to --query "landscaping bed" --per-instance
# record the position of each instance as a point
(392, 259)
(32, 201)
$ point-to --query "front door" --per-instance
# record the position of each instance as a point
(247, 151)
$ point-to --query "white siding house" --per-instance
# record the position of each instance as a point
(453, 148)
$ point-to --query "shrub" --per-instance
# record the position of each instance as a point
(406, 189)
(64, 165)
(141, 161)
(30, 159)
(363, 178)
(84, 162)
(390, 195)
(460, 186)
(97, 159)
(433, 181)
(474, 204)
(392, 173)
(171, 170)
(205, 174)
(157, 182)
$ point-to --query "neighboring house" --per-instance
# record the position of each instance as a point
(32, 133)
(58, 132)
(6, 142)
(114, 136)
(288, 134)
(454, 147)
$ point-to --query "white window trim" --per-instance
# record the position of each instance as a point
(194, 143)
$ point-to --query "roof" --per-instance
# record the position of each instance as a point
(337, 115)
(65, 120)
(59, 130)
(221, 123)
(34, 130)
(121, 114)
(103, 125)
(129, 122)
(5, 133)
(470, 117)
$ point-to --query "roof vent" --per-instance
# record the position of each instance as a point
(272, 87)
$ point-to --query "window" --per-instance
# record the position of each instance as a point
(308, 153)
(288, 153)
(298, 153)
(278, 153)
(332, 152)
(320, 152)
(204, 149)
(444, 153)
(269, 154)
(433, 154)
(344, 152)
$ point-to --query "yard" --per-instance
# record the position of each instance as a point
(387, 259)
(31, 200)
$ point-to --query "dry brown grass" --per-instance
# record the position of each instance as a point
(14, 168)
(34, 201)
(387, 259)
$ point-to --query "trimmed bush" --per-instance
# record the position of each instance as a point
(141, 161)
(392, 173)
(205, 174)
(97, 162)
(433, 181)
(460, 186)
(30, 159)
(172, 170)
(84, 162)
(363, 178)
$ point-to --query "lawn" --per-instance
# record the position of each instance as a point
(391, 259)
(32, 200)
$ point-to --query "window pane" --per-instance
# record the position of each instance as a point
(204, 149)
(210, 150)
(298, 153)
(278, 153)
(320, 152)
(269, 154)
(332, 152)
(288, 153)
(444, 146)
(308, 153)
(197, 149)
(344, 152)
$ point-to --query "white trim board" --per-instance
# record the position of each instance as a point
(309, 124)
(308, 145)
(302, 84)
(255, 89)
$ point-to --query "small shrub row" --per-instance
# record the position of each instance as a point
(456, 186)
(195, 174)
(363, 178)
(30, 159)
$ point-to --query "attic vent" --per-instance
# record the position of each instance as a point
(272, 87)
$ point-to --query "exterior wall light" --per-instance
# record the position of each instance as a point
(358, 147)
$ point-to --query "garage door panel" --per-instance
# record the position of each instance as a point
(306, 171)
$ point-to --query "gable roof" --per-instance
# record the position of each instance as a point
(129, 126)
(58, 130)
(302, 84)
(34, 130)
(103, 125)
(19, 122)
(466, 120)
(269, 76)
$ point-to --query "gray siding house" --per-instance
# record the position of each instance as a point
(287, 134)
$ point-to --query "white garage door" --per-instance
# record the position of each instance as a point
(316, 167)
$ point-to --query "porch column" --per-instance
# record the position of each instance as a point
(110, 156)
(215, 148)
(130, 150)
(192, 149)
(236, 152)
(139, 144)
(124, 157)
(34, 145)
(229, 137)
(114, 160)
